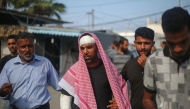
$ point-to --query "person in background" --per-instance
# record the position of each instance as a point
(163, 44)
(93, 80)
(133, 70)
(167, 72)
(11, 44)
(113, 49)
(123, 54)
(153, 50)
(24, 78)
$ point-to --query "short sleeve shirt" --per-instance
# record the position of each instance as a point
(170, 80)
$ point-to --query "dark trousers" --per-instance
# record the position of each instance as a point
(45, 106)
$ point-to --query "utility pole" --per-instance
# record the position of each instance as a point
(179, 3)
(92, 16)
(88, 20)
(92, 19)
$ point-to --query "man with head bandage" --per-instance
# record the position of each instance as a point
(93, 80)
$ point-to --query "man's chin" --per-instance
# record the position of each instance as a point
(87, 61)
(145, 54)
(28, 58)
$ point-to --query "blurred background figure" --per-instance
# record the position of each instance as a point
(123, 54)
(163, 44)
(153, 49)
(112, 49)
(11, 44)
(114, 45)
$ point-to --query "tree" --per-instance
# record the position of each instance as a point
(3, 3)
(41, 7)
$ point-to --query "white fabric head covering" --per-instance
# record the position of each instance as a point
(87, 39)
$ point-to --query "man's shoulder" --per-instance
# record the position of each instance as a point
(130, 62)
(42, 58)
(157, 56)
(6, 57)
(130, 53)
(158, 53)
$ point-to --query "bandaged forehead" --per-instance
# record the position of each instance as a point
(87, 40)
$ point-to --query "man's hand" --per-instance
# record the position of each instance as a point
(142, 60)
(6, 89)
(113, 104)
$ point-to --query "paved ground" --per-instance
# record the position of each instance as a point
(54, 102)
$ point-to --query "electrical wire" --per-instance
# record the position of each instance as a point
(123, 20)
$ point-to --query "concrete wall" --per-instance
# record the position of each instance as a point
(159, 35)
(4, 49)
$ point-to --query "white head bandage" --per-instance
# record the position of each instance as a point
(87, 40)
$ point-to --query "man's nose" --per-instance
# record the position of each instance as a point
(142, 46)
(85, 51)
(26, 48)
(177, 49)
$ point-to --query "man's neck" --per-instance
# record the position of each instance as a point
(181, 60)
(13, 54)
(120, 51)
(94, 64)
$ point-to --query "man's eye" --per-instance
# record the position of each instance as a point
(89, 47)
(146, 43)
(30, 46)
(22, 46)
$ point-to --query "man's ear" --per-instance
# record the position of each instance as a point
(153, 43)
(17, 49)
(134, 44)
(120, 45)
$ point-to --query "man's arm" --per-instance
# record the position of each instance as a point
(2, 63)
(6, 89)
(65, 100)
(148, 100)
(124, 72)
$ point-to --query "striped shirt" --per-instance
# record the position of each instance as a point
(120, 60)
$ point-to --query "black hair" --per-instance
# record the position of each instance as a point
(121, 41)
(145, 33)
(115, 43)
(25, 35)
(11, 37)
(175, 19)
(164, 42)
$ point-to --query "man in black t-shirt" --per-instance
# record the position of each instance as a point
(134, 68)
(11, 44)
(93, 80)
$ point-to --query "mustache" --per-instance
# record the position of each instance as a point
(143, 51)
(27, 53)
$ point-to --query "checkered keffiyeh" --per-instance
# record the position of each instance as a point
(76, 81)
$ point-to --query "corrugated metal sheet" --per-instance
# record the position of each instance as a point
(54, 31)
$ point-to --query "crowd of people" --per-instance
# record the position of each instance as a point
(113, 78)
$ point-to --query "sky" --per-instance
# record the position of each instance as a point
(116, 15)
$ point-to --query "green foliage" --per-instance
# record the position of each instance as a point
(42, 7)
